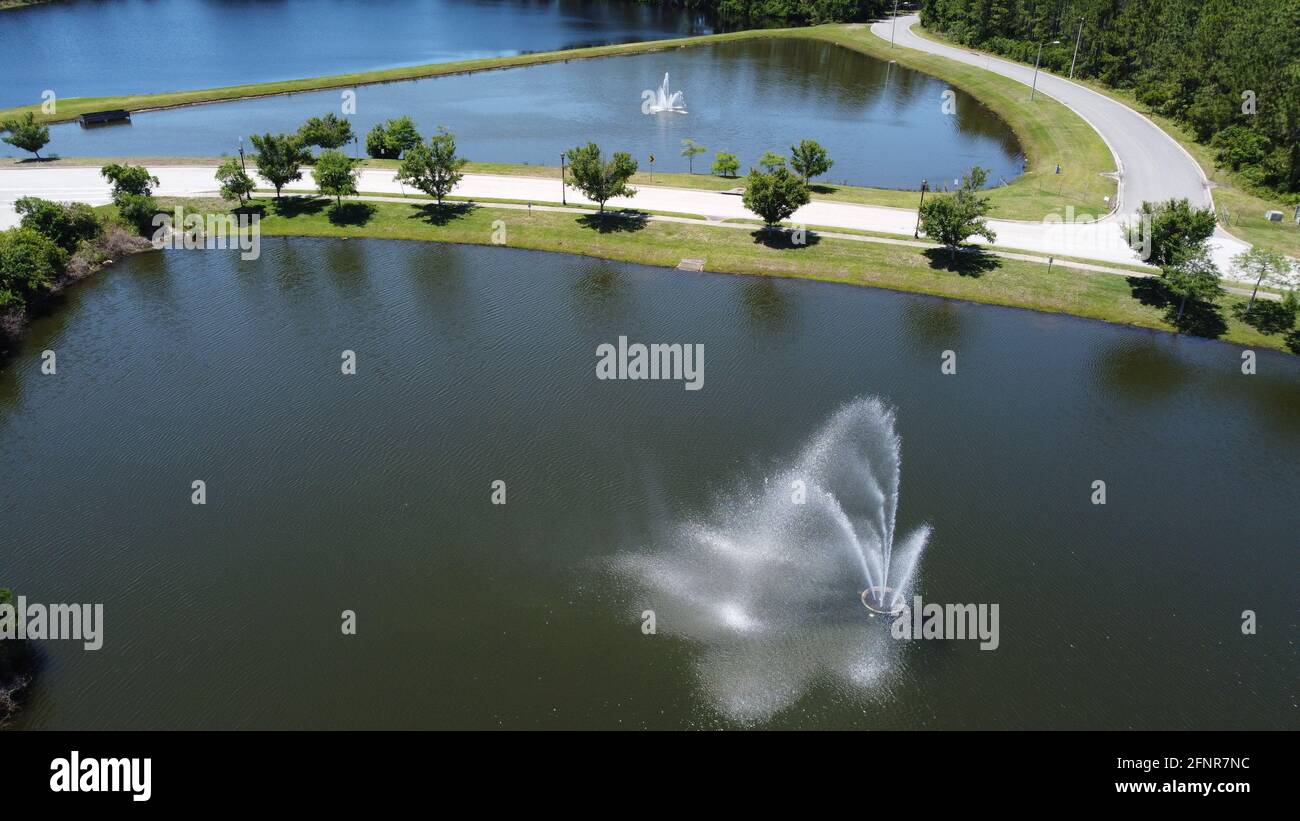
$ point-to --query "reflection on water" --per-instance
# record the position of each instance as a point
(371, 492)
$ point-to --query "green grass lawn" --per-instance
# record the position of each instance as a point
(996, 281)
(1048, 132)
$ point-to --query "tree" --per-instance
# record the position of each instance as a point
(388, 141)
(1260, 265)
(689, 149)
(1194, 278)
(599, 180)
(435, 168)
(770, 161)
(952, 219)
(774, 194)
(133, 194)
(29, 264)
(810, 159)
(67, 224)
(25, 133)
(1177, 230)
(235, 182)
(279, 158)
(129, 179)
(330, 131)
(725, 165)
(335, 174)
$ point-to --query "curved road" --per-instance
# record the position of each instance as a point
(1152, 165)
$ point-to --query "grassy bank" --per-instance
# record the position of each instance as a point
(980, 278)
(1048, 132)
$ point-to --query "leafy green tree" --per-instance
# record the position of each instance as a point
(67, 224)
(725, 164)
(1192, 278)
(236, 184)
(133, 194)
(951, 219)
(689, 149)
(770, 161)
(435, 168)
(599, 180)
(129, 179)
(330, 131)
(336, 174)
(29, 263)
(389, 140)
(1177, 230)
(25, 133)
(809, 159)
(1262, 265)
(279, 159)
(774, 195)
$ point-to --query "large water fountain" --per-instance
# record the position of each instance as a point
(664, 101)
(771, 584)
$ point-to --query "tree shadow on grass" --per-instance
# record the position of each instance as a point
(351, 213)
(441, 214)
(257, 209)
(780, 239)
(1198, 319)
(822, 189)
(298, 206)
(1266, 316)
(967, 262)
(608, 222)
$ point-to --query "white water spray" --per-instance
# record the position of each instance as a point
(770, 588)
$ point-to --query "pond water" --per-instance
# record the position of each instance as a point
(88, 48)
(372, 492)
(882, 125)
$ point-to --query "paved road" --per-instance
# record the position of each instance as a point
(1100, 241)
(1152, 165)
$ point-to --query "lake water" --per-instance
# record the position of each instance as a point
(372, 493)
(83, 48)
(882, 125)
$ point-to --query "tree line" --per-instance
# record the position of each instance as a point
(1228, 69)
(732, 13)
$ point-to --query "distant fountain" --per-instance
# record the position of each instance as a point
(772, 583)
(663, 101)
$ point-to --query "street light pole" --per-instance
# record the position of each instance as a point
(562, 201)
(1037, 59)
(242, 166)
(893, 24)
(925, 186)
(1078, 38)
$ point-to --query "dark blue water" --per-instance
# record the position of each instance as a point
(82, 48)
(882, 124)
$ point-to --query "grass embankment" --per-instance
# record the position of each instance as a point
(1048, 131)
(1240, 205)
(983, 279)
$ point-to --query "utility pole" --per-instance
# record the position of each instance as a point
(1037, 59)
(893, 25)
(925, 186)
(1077, 40)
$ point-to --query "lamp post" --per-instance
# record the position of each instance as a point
(562, 200)
(893, 24)
(1078, 38)
(916, 233)
(242, 166)
(1037, 59)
